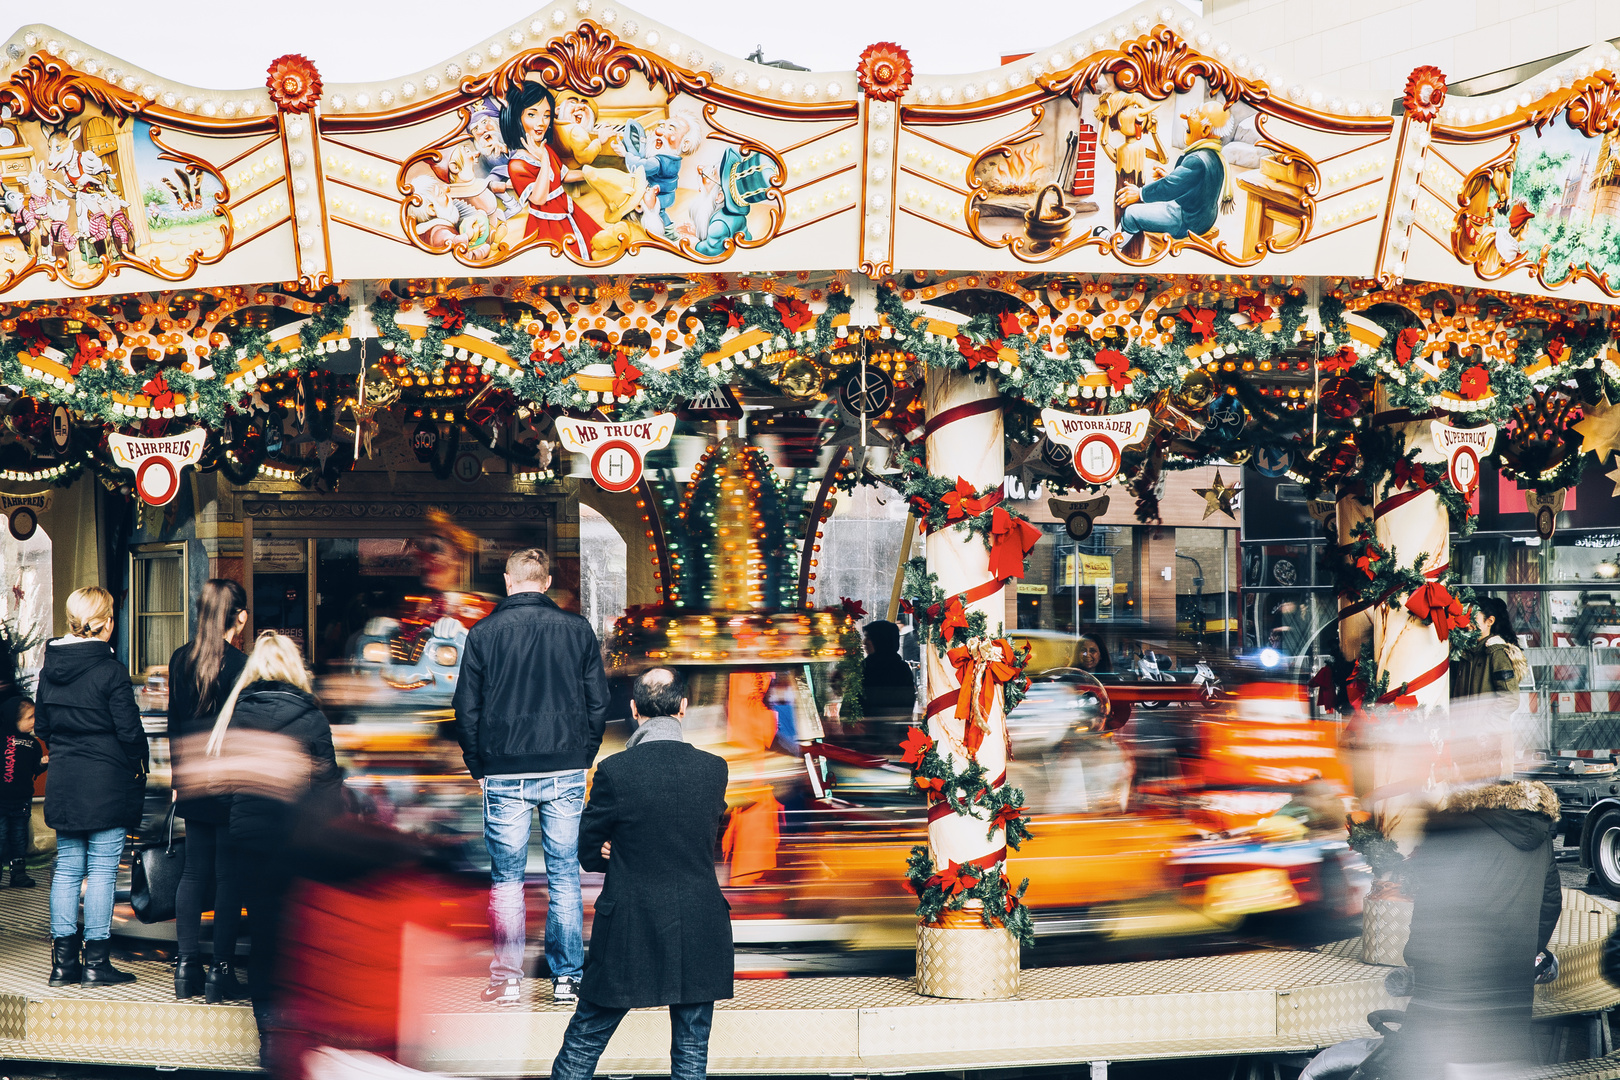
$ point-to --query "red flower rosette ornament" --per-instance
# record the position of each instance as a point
(1425, 93)
(884, 71)
(295, 85)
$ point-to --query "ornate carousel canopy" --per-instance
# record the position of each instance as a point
(593, 214)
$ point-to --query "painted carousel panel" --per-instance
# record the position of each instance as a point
(1107, 165)
(1527, 199)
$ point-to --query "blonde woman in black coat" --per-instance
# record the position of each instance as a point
(85, 712)
(274, 746)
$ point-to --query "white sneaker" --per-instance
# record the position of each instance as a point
(562, 992)
(507, 992)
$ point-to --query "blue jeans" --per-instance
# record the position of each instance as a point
(89, 859)
(508, 813)
(591, 1026)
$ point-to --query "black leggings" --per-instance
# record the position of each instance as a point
(209, 854)
(267, 886)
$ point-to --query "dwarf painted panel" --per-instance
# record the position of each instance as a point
(593, 178)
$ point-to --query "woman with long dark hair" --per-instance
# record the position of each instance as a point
(201, 674)
(1485, 682)
(538, 174)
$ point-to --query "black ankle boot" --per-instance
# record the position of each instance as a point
(98, 969)
(19, 876)
(188, 977)
(222, 985)
(65, 967)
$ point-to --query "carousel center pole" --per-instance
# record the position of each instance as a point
(961, 958)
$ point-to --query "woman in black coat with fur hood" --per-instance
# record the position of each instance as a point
(1486, 902)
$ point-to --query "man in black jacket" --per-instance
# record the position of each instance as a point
(662, 934)
(530, 712)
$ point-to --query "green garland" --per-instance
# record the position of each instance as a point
(92, 391)
(1002, 905)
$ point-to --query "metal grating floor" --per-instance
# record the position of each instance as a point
(1263, 1001)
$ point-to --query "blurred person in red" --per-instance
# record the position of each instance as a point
(662, 934)
(201, 673)
(272, 751)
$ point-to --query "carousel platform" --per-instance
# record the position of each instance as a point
(1270, 1001)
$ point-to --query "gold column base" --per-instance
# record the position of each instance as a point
(1385, 927)
(967, 962)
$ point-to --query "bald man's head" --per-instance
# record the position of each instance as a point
(659, 692)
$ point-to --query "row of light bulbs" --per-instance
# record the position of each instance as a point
(757, 79)
(1470, 112)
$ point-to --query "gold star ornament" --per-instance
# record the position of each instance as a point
(1600, 430)
(1219, 497)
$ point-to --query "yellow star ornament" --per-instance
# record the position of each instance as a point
(1219, 497)
(1600, 431)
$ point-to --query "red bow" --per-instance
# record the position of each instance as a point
(796, 314)
(625, 375)
(1010, 324)
(981, 666)
(1556, 350)
(158, 390)
(448, 310)
(960, 502)
(1202, 321)
(1476, 383)
(555, 356)
(1005, 816)
(728, 308)
(956, 878)
(1365, 563)
(1411, 474)
(1011, 539)
(1115, 366)
(916, 746)
(853, 608)
(1341, 361)
(1255, 308)
(1406, 343)
(1322, 683)
(90, 349)
(977, 354)
(929, 784)
(1435, 605)
(920, 507)
(34, 336)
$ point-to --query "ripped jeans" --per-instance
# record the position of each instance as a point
(509, 805)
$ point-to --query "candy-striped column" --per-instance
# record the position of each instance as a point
(964, 440)
(1355, 624)
(1413, 523)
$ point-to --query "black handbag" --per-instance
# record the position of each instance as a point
(154, 874)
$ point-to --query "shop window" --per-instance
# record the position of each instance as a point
(1069, 586)
(158, 600)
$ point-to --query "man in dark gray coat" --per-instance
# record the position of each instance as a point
(662, 934)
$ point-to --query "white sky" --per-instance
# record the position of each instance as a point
(227, 46)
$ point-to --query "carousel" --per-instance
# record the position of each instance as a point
(353, 344)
